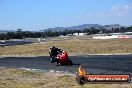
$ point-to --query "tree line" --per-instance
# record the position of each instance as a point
(19, 34)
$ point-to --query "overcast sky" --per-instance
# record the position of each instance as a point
(41, 14)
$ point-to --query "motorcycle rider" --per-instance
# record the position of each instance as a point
(54, 52)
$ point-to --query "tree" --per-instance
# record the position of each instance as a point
(129, 29)
(19, 30)
(122, 29)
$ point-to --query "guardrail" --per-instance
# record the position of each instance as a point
(112, 37)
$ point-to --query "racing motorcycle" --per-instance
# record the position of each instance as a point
(61, 59)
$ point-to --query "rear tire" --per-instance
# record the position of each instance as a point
(58, 63)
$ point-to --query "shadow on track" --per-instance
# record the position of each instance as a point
(75, 64)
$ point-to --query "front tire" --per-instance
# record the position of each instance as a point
(52, 60)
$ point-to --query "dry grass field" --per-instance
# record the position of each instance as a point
(17, 78)
(73, 45)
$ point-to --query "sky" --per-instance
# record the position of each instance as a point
(34, 15)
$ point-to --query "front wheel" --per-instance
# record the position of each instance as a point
(52, 60)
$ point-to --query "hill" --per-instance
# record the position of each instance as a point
(84, 26)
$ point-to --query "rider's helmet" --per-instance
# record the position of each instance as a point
(52, 47)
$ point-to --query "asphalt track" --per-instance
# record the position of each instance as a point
(97, 64)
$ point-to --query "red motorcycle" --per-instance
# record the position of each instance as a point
(61, 59)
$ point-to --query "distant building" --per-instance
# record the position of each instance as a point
(69, 35)
(79, 34)
(128, 33)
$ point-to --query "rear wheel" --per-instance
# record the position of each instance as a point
(58, 64)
